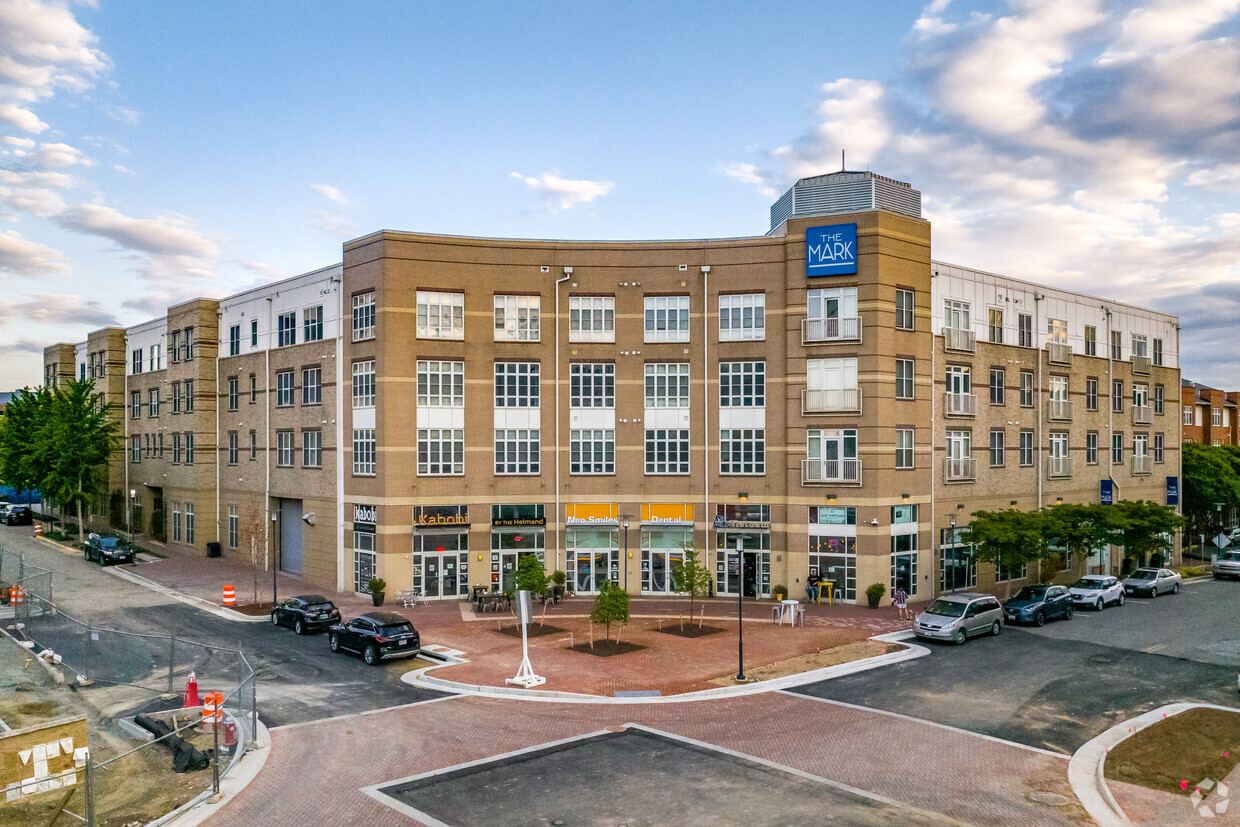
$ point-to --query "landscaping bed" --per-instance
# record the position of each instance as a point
(1194, 745)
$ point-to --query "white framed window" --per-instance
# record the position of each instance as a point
(1188, 414)
(441, 315)
(284, 449)
(994, 326)
(1158, 351)
(1140, 445)
(1058, 448)
(152, 407)
(1026, 448)
(904, 378)
(1216, 417)
(592, 451)
(176, 522)
(1140, 345)
(311, 386)
(1117, 449)
(592, 318)
(234, 393)
(284, 388)
(904, 448)
(1091, 340)
(1117, 345)
(441, 451)
(157, 358)
(517, 451)
(517, 318)
(841, 303)
(286, 329)
(667, 318)
(253, 333)
(312, 449)
(956, 314)
(667, 385)
(234, 448)
(742, 384)
(189, 447)
(1158, 447)
(312, 324)
(363, 317)
(742, 451)
(904, 309)
(1091, 448)
(592, 385)
(517, 384)
(364, 384)
(234, 527)
(667, 450)
(836, 378)
(189, 523)
(1057, 331)
(742, 317)
(136, 366)
(135, 448)
(441, 384)
(997, 439)
(1024, 329)
(363, 451)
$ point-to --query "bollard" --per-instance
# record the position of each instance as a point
(230, 597)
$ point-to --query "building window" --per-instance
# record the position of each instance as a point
(996, 386)
(364, 384)
(284, 388)
(1057, 331)
(1026, 448)
(994, 326)
(1117, 449)
(152, 408)
(1117, 345)
(1091, 448)
(253, 445)
(137, 361)
(253, 389)
(667, 318)
(667, 385)
(311, 449)
(742, 317)
(592, 451)
(904, 309)
(1026, 389)
(517, 319)
(187, 395)
(189, 523)
(363, 451)
(187, 346)
(234, 393)
(996, 449)
(189, 448)
(1158, 448)
(234, 340)
(592, 385)
(904, 378)
(234, 448)
(253, 333)
(312, 324)
(1158, 400)
(135, 448)
(904, 448)
(286, 329)
(592, 318)
(1188, 415)
(441, 451)
(311, 386)
(135, 405)
(956, 314)
(234, 527)
(1158, 351)
(1091, 394)
(516, 384)
(364, 317)
(441, 315)
(1091, 340)
(1140, 345)
(517, 451)
(667, 451)
(176, 397)
(1117, 395)
(742, 384)
(284, 449)
(176, 522)
(441, 384)
(742, 451)
(1024, 328)
(904, 563)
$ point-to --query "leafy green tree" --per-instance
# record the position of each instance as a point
(1211, 476)
(692, 578)
(1080, 528)
(530, 575)
(610, 606)
(73, 447)
(20, 427)
(1143, 527)
(1008, 538)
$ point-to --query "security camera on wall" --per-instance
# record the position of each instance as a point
(308, 519)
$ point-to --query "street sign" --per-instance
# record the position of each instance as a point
(1222, 541)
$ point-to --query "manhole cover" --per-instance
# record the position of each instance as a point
(1049, 799)
(1101, 659)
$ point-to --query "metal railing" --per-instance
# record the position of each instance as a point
(1143, 465)
(834, 329)
(959, 404)
(1060, 353)
(964, 341)
(963, 469)
(847, 471)
(1142, 415)
(1059, 409)
(839, 400)
(1059, 467)
(1140, 364)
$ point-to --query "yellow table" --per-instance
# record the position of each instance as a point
(830, 587)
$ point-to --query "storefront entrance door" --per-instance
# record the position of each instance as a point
(749, 580)
(439, 577)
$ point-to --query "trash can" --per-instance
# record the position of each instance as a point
(213, 550)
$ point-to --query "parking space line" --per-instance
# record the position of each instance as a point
(947, 727)
(1153, 649)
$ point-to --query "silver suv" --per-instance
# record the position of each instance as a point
(1227, 565)
(957, 617)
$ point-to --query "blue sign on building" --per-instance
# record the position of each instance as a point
(831, 251)
(1108, 492)
(1173, 490)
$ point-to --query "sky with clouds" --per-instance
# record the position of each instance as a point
(150, 153)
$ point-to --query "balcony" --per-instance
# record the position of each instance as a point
(1142, 415)
(963, 341)
(959, 404)
(836, 329)
(1142, 466)
(1141, 365)
(1059, 467)
(845, 471)
(1060, 353)
(1059, 410)
(960, 470)
(840, 400)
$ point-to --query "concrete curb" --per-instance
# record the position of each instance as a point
(240, 773)
(421, 679)
(1086, 767)
(196, 602)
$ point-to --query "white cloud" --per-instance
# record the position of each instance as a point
(24, 143)
(21, 118)
(165, 236)
(333, 223)
(852, 118)
(751, 174)
(1165, 24)
(1222, 178)
(931, 22)
(37, 193)
(63, 308)
(43, 49)
(1228, 220)
(568, 192)
(124, 169)
(55, 156)
(269, 272)
(22, 257)
(331, 193)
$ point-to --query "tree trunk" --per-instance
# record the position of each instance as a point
(81, 529)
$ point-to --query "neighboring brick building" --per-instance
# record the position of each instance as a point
(822, 397)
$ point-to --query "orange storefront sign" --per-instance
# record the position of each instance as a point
(668, 513)
(576, 514)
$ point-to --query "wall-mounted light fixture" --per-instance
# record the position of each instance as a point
(743, 496)
(1013, 503)
(904, 496)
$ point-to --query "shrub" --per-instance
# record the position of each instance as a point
(376, 584)
(875, 591)
(1191, 571)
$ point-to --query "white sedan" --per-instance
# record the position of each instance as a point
(1096, 591)
(1153, 582)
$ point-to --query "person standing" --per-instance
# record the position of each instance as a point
(900, 598)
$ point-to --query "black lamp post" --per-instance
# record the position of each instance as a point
(740, 610)
(624, 521)
(274, 566)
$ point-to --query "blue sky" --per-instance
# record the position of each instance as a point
(150, 153)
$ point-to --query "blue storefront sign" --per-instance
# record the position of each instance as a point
(1173, 490)
(831, 251)
(1108, 495)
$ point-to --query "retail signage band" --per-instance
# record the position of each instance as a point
(364, 514)
(425, 519)
(518, 522)
(723, 522)
(831, 251)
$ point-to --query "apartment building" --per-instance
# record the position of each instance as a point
(824, 397)
(1209, 415)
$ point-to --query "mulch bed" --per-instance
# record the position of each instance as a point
(533, 630)
(1188, 747)
(690, 630)
(607, 648)
(252, 609)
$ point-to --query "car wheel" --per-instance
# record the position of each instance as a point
(1175, 588)
(1067, 613)
(275, 621)
(1039, 619)
(996, 628)
(371, 655)
(298, 628)
(1121, 600)
(333, 641)
(1098, 604)
(1154, 592)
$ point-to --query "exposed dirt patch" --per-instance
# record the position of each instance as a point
(607, 648)
(847, 653)
(690, 630)
(533, 630)
(252, 609)
(1194, 745)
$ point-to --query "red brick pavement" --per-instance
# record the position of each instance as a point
(315, 770)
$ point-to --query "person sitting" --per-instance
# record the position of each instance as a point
(811, 585)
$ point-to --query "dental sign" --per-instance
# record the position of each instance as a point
(831, 251)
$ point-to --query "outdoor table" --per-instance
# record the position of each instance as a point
(789, 613)
(830, 587)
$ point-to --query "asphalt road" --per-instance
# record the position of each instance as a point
(300, 679)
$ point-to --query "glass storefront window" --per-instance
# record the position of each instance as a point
(663, 553)
(593, 555)
(832, 515)
(363, 560)
(755, 580)
(834, 559)
(441, 563)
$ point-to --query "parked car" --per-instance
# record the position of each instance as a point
(957, 617)
(1153, 582)
(305, 613)
(1227, 565)
(106, 550)
(1098, 591)
(16, 515)
(1038, 604)
(376, 636)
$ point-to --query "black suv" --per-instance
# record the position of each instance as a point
(16, 515)
(377, 636)
(106, 550)
(305, 613)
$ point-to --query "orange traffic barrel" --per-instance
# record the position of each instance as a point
(212, 707)
(230, 596)
(38, 528)
(17, 595)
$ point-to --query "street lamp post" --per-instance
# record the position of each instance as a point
(953, 535)
(625, 522)
(274, 568)
(740, 610)
(133, 493)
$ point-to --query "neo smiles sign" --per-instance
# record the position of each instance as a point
(831, 251)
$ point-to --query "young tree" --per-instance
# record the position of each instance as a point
(1142, 527)
(531, 575)
(1008, 538)
(20, 465)
(610, 606)
(692, 578)
(1080, 528)
(74, 444)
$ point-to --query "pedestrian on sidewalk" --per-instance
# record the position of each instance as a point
(900, 599)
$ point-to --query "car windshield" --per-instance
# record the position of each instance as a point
(1031, 593)
(946, 608)
(1087, 584)
(1231, 556)
(109, 542)
(395, 629)
(1145, 574)
(320, 607)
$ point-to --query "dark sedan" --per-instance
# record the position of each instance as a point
(1038, 604)
(106, 550)
(17, 515)
(376, 636)
(305, 613)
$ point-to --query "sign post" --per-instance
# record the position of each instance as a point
(525, 675)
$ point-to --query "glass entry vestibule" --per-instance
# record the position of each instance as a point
(441, 563)
(663, 553)
(593, 555)
(517, 531)
(743, 550)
